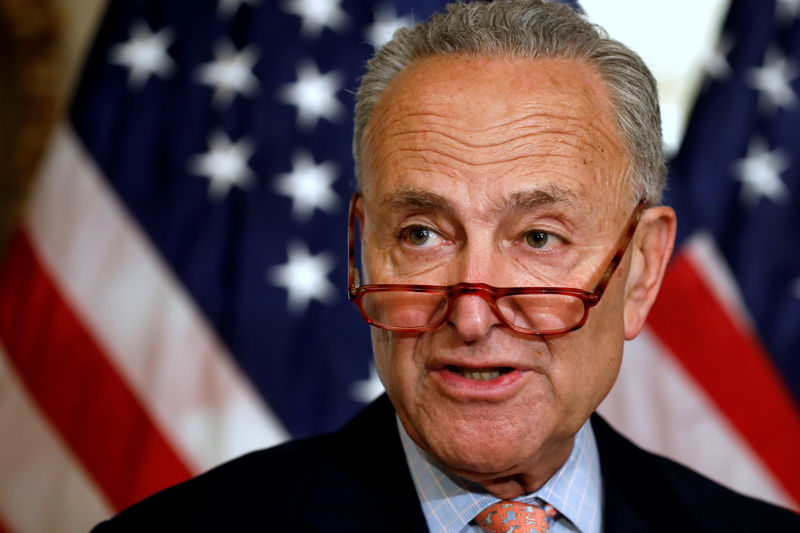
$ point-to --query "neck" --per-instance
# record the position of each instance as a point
(525, 480)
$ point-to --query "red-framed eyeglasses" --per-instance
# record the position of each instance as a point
(528, 310)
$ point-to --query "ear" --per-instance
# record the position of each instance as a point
(358, 237)
(359, 212)
(651, 250)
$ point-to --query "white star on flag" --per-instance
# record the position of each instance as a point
(367, 390)
(760, 174)
(230, 7)
(304, 276)
(145, 53)
(787, 10)
(309, 186)
(225, 164)
(385, 23)
(231, 72)
(316, 15)
(716, 63)
(773, 80)
(314, 95)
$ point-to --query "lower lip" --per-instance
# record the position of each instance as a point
(492, 389)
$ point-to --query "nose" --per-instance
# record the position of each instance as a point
(472, 317)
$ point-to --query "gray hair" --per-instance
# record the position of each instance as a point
(535, 29)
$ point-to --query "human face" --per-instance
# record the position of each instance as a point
(481, 153)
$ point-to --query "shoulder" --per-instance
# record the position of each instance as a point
(292, 481)
(645, 488)
(237, 494)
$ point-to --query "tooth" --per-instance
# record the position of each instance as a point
(480, 375)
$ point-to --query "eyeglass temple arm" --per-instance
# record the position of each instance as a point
(625, 240)
(353, 278)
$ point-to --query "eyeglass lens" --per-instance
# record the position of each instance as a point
(528, 312)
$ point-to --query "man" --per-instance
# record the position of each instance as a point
(510, 169)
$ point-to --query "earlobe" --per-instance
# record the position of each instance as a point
(650, 253)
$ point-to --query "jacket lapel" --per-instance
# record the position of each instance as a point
(637, 495)
(365, 472)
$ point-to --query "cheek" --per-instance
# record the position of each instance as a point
(393, 360)
(588, 360)
(380, 350)
(582, 374)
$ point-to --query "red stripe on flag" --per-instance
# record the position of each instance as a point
(732, 367)
(73, 382)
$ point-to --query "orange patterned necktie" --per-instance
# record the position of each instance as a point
(508, 516)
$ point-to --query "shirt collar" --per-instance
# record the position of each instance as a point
(450, 502)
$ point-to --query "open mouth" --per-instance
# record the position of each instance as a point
(483, 374)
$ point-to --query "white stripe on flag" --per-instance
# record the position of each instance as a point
(711, 266)
(142, 316)
(659, 406)
(44, 488)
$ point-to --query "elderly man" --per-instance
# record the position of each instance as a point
(510, 168)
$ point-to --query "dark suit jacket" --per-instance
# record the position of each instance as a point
(307, 485)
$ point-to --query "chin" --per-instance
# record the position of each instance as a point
(482, 468)
(482, 449)
(488, 450)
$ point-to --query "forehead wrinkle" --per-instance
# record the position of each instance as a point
(528, 114)
(562, 137)
(574, 132)
(559, 144)
(432, 157)
(440, 141)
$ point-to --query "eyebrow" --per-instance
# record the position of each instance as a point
(533, 198)
(411, 197)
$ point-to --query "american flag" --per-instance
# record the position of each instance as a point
(715, 379)
(175, 295)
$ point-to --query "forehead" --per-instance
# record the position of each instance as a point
(489, 126)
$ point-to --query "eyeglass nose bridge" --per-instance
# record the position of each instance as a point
(484, 291)
(491, 294)
(481, 289)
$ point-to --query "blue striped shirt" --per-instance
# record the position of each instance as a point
(575, 490)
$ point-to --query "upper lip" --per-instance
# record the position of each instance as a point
(472, 364)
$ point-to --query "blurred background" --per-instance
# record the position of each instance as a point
(175, 177)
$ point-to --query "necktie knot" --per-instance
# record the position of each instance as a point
(509, 516)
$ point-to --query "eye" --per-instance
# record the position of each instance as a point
(540, 239)
(419, 236)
